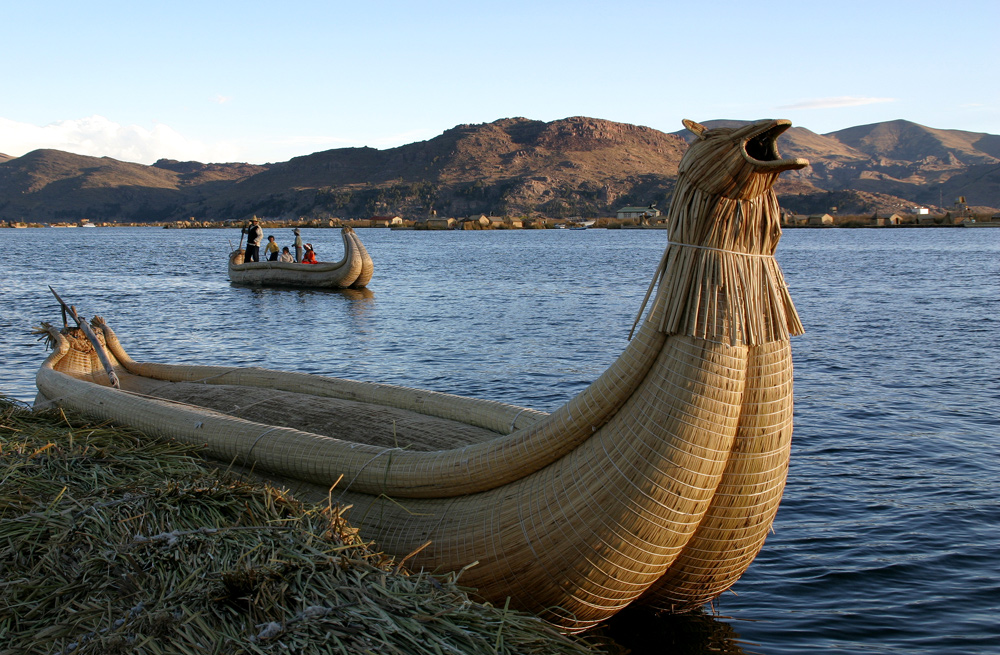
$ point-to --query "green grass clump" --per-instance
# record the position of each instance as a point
(112, 542)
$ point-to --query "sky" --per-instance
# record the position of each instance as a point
(262, 82)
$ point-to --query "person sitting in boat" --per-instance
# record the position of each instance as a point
(286, 256)
(254, 235)
(271, 249)
(310, 256)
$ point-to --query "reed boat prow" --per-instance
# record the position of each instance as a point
(656, 484)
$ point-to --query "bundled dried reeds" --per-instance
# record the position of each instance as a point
(113, 542)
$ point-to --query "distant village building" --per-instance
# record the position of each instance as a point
(820, 219)
(921, 211)
(506, 222)
(475, 222)
(882, 221)
(435, 223)
(386, 221)
(637, 212)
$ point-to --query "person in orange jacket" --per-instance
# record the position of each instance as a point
(310, 256)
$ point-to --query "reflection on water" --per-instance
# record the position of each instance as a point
(307, 292)
(301, 322)
(644, 632)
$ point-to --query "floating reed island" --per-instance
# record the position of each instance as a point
(113, 542)
(656, 485)
(354, 270)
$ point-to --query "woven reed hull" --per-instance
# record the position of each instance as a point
(574, 529)
(744, 505)
(584, 537)
(353, 271)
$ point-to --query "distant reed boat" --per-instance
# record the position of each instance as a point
(657, 484)
(354, 270)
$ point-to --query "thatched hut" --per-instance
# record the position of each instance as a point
(820, 220)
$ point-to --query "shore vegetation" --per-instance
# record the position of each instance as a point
(114, 542)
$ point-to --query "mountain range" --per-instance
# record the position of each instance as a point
(513, 166)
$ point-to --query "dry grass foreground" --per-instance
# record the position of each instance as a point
(111, 542)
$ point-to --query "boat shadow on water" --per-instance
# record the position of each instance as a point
(642, 631)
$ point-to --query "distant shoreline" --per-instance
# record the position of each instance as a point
(846, 222)
(983, 224)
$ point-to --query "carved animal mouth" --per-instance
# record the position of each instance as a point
(760, 147)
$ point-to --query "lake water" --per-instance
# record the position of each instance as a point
(888, 538)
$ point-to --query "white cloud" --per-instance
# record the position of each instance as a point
(832, 103)
(97, 136)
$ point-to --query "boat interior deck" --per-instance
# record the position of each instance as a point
(344, 419)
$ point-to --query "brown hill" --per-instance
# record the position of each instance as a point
(977, 183)
(575, 166)
(54, 185)
(51, 185)
(919, 163)
(903, 141)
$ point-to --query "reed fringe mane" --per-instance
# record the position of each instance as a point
(718, 279)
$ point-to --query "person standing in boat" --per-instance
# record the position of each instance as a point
(271, 249)
(254, 236)
(286, 256)
(298, 245)
(310, 256)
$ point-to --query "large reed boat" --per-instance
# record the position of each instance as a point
(657, 484)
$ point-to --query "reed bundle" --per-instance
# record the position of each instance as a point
(113, 542)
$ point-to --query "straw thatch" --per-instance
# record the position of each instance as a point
(112, 542)
(354, 270)
(657, 483)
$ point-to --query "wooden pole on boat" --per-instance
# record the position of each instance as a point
(98, 347)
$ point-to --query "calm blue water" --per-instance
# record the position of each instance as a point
(888, 538)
